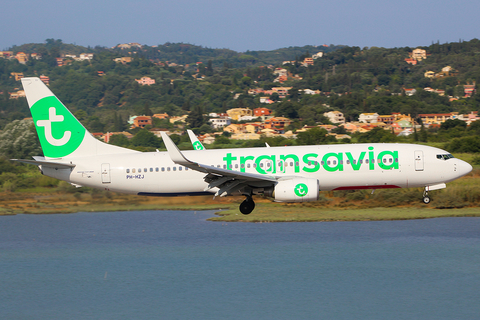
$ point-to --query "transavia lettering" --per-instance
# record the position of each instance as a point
(313, 162)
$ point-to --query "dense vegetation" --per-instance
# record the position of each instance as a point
(199, 80)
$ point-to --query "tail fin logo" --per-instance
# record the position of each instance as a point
(59, 132)
(47, 124)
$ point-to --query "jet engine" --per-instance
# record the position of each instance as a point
(295, 190)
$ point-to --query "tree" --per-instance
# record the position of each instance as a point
(145, 138)
(196, 119)
(313, 136)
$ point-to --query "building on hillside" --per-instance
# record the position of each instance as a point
(123, 60)
(277, 123)
(142, 121)
(281, 91)
(6, 54)
(387, 119)
(36, 56)
(22, 57)
(308, 62)
(418, 54)
(45, 79)
(18, 94)
(409, 92)
(179, 119)
(317, 55)
(266, 100)
(368, 117)
(85, 56)
(259, 112)
(145, 81)
(220, 122)
(435, 118)
(429, 74)
(469, 90)
(17, 75)
(411, 61)
(236, 113)
(335, 117)
(161, 115)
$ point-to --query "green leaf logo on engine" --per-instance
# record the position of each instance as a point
(301, 190)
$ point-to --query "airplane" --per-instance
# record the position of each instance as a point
(285, 174)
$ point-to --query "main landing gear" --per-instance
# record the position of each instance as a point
(247, 206)
(426, 198)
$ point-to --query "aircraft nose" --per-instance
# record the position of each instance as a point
(463, 168)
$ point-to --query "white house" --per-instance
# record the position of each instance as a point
(368, 117)
(335, 117)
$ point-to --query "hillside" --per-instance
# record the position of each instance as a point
(349, 79)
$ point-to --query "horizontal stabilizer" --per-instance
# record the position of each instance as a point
(56, 165)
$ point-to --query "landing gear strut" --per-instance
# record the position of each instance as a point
(247, 206)
(426, 198)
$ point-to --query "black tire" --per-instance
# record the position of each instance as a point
(426, 199)
(247, 206)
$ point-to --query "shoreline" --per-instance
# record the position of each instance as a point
(226, 209)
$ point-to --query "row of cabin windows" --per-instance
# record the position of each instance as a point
(254, 165)
(157, 169)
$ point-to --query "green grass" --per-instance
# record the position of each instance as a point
(289, 213)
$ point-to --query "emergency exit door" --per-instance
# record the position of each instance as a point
(418, 160)
(105, 172)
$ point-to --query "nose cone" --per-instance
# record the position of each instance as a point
(463, 168)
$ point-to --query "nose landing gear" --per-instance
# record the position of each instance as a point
(426, 198)
(247, 206)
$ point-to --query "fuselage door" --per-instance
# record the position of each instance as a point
(418, 160)
(105, 172)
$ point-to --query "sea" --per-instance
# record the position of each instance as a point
(178, 265)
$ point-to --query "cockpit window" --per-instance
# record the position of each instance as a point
(444, 156)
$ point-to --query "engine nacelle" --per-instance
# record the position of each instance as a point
(296, 190)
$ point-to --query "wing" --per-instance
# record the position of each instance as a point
(227, 181)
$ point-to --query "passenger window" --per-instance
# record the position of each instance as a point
(156, 169)
(163, 169)
(128, 170)
(366, 160)
(151, 169)
(168, 168)
(133, 170)
(174, 168)
(139, 170)
(224, 166)
(296, 164)
(261, 164)
(242, 165)
(390, 160)
(248, 165)
(179, 168)
(236, 166)
(348, 161)
(328, 162)
(145, 170)
(291, 164)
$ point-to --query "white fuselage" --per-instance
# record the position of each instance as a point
(337, 167)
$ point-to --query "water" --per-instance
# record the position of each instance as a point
(176, 265)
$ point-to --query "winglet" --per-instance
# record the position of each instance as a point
(197, 145)
(173, 151)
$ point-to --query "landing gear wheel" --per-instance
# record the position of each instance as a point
(247, 206)
(426, 199)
